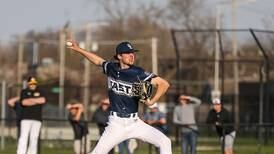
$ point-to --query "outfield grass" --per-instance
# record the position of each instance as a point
(205, 146)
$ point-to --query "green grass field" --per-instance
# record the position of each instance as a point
(205, 146)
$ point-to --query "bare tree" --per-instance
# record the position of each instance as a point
(189, 14)
(131, 20)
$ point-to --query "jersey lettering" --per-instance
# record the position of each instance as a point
(120, 87)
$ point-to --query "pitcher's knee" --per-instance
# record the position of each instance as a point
(165, 146)
(166, 142)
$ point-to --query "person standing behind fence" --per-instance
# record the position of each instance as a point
(223, 121)
(184, 116)
(32, 100)
(157, 119)
(80, 128)
(15, 104)
(100, 117)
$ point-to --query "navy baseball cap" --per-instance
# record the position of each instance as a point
(125, 47)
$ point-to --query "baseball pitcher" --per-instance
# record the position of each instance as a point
(127, 86)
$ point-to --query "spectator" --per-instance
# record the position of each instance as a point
(184, 115)
(32, 100)
(222, 120)
(14, 103)
(80, 128)
(101, 114)
(157, 119)
(100, 117)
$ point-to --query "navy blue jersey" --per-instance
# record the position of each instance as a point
(120, 86)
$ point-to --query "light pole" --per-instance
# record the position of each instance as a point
(62, 49)
(86, 94)
(3, 113)
(216, 91)
(20, 62)
(234, 6)
(234, 51)
(235, 62)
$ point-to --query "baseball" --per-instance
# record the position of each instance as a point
(69, 44)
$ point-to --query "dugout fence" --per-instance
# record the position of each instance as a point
(57, 137)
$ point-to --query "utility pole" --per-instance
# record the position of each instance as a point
(20, 62)
(235, 55)
(87, 71)
(235, 63)
(35, 54)
(234, 13)
(3, 113)
(62, 49)
(216, 91)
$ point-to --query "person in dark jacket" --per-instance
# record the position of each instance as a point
(222, 119)
(100, 117)
(80, 128)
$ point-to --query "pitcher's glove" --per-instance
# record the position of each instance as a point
(142, 89)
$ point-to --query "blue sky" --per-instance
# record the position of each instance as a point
(250, 14)
(20, 16)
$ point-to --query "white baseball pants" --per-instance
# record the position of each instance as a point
(120, 129)
(29, 129)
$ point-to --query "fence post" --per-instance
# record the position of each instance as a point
(261, 104)
(3, 114)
